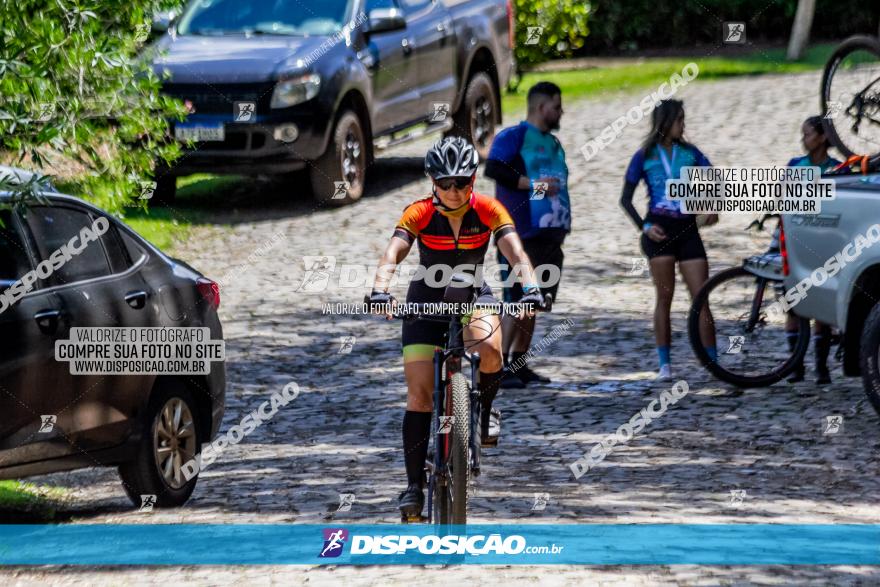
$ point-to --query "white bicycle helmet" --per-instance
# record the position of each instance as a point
(451, 157)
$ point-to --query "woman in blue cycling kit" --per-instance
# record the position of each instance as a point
(668, 235)
(816, 143)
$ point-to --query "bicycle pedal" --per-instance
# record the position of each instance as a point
(417, 519)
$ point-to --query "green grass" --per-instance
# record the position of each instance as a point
(15, 495)
(160, 227)
(653, 71)
(24, 501)
(167, 226)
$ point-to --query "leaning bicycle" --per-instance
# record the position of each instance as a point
(748, 321)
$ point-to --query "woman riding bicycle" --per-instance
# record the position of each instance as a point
(817, 145)
(668, 235)
(452, 227)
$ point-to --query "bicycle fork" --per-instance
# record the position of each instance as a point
(476, 411)
(439, 402)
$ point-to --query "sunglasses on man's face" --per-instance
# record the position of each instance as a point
(447, 183)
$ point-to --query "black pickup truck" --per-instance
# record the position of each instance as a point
(275, 86)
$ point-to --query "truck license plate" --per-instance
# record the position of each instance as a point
(200, 132)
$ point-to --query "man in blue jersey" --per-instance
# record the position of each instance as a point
(527, 163)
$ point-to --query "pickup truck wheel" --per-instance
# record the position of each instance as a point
(338, 175)
(868, 357)
(475, 119)
(170, 438)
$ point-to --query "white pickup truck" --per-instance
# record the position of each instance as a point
(839, 239)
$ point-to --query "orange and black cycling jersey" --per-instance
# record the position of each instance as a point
(437, 243)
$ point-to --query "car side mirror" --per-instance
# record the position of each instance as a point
(383, 20)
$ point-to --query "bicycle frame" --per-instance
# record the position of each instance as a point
(755, 312)
(765, 271)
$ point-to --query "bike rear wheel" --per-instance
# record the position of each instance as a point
(752, 344)
(851, 98)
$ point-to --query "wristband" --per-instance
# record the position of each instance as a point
(529, 286)
(531, 186)
(646, 226)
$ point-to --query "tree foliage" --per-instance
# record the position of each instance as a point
(636, 25)
(562, 24)
(72, 82)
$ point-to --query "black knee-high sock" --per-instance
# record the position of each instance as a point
(489, 383)
(792, 337)
(821, 348)
(416, 435)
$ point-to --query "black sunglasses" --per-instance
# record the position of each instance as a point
(447, 182)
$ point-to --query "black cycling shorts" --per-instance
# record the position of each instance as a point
(541, 251)
(682, 239)
(430, 332)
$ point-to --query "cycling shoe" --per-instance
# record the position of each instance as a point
(490, 435)
(411, 501)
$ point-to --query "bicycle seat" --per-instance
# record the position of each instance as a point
(768, 265)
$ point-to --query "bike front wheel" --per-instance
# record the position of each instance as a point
(460, 442)
(451, 489)
(751, 338)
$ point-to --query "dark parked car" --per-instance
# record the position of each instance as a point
(147, 425)
(278, 86)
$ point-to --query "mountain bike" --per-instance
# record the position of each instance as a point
(850, 100)
(753, 346)
(457, 409)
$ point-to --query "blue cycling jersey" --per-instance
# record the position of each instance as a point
(656, 167)
(534, 154)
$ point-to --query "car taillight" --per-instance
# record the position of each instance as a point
(510, 27)
(210, 291)
(783, 250)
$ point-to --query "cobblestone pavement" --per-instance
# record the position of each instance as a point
(342, 435)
